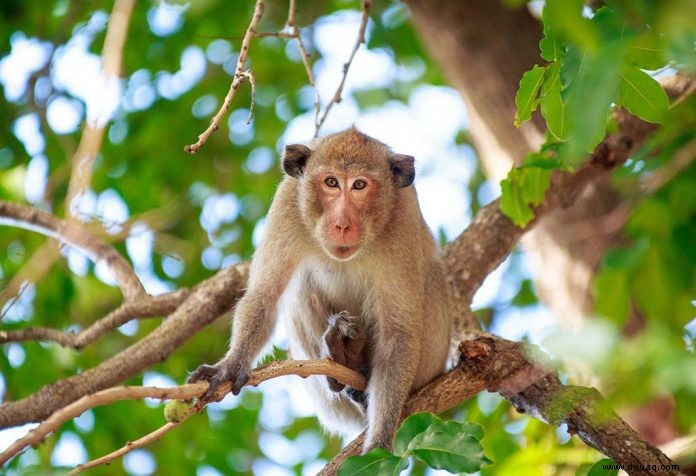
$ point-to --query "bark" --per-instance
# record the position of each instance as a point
(532, 386)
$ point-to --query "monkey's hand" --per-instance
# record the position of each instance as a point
(344, 343)
(227, 370)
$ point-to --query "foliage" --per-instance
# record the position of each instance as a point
(594, 65)
(170, 197)
(448, 445)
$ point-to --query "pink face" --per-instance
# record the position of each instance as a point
(345, 197)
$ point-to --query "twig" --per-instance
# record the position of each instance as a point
(291, 14)
(147, 306)
(93, 134)
(77, 236)
(238, 78)
(252, 81)
(302, 368)
(367, 5)
(295, 33)
(32, 271)
(132, 445)
(681, 160)
(310, 76)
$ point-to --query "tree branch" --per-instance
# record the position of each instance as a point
(516, 372)
(208, 300)
(491, 236)
(78, 237)
(132, 445)
(32, 271)
(302, 368)
(147, 306)
(367, 5)
(239, 76)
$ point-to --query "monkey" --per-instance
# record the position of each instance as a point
(346, 257)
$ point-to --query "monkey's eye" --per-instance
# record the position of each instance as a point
(359, 184)
(331, 182)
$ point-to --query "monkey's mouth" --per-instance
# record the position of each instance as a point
(343, 252)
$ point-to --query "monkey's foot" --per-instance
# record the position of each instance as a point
(344, 343)
(357, 396)
(236, 373)
(344, 325)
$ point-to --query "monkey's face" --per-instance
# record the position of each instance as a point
(347, 201)
(347, 188)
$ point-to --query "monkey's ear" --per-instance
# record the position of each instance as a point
(403, 171)
(295, 158)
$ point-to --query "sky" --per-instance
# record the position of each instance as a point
(424, 127)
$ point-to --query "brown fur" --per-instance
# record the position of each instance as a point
(395, 285)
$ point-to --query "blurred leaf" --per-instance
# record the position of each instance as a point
(513, 203)
(526, 295)
(647, 52)
(377, 461)
(523, 186)
(612, 294)
(552, 46)
(552, 107)
(527, 98)
(566, 17)
(598, 470)
(643, 96)
(594, 85)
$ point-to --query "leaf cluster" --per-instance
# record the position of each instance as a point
(448, 445)
(596, 62)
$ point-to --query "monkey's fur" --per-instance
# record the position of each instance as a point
(308, 270)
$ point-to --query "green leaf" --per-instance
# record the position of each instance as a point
(647, 52)
(552, 45)
(523, 186)
(512, 202)
(535, 184)
(378, 461)
(552, 106)
(276, 354)
(593, 85)
(642, 96)
(413, 425)
(540, 161)
(565, 16)
(451, 445)
(597, 470)
(612, 294)
(526, 295)
(527, 98)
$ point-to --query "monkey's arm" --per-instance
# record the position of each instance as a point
(394, 365)
(252, 325)
(255, 315)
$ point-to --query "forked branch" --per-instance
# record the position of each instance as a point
(78, 237)
(240, 75)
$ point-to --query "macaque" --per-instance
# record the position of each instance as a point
(350, 264)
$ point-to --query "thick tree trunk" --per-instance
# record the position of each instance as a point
(484, 48)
